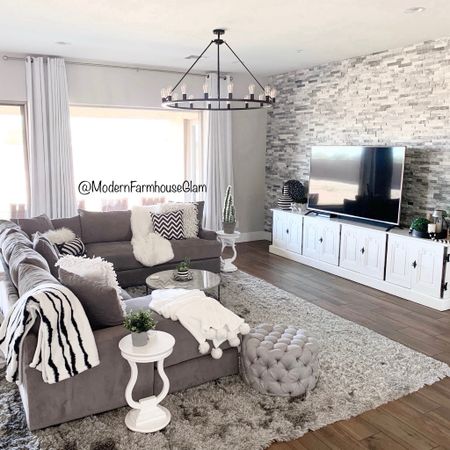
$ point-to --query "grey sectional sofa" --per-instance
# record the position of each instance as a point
(103, 387)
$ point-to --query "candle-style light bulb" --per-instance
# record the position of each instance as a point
(273, 92)
(205, 89)
(267, 91)
(246, 102)
(163, 94)
(169, 93)
(261, 99)
(183, 91)
(191, 104)
(251, 91)
(230, 89)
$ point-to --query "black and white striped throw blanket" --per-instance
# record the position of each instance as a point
(65, 345)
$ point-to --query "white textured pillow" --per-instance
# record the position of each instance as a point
(142, 224)
(190, 219)
(95, 269)
(60, 236)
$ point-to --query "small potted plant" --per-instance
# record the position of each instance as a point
(229, 213)
(183, 272)
(419, 228)
(139, 322)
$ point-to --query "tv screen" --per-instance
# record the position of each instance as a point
(362, 182)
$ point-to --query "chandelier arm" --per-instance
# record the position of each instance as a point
(246, 68)
(190, 68)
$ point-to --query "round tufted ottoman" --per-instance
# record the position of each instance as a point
(280, 360)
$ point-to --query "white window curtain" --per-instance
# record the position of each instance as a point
(218, 160)
(50, 164)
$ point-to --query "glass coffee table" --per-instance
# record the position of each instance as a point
(201, 279)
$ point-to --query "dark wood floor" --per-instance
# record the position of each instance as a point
(418, 421)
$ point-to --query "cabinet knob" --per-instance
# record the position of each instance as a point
(287, 230)
(414, 264)
(320, 240)
(362, 250)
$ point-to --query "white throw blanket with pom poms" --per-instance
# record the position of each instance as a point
(205, 318)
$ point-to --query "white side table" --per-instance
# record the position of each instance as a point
(147, 415)
(228, 240)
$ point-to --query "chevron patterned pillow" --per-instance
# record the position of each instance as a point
(169, 225)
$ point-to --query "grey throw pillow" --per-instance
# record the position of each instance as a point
(23, 254)
(101, 303)
(32, 276)
(40, 223)
(48, 250)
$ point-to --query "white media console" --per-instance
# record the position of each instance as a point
(391, 261)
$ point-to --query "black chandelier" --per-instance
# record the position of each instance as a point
(171, 99)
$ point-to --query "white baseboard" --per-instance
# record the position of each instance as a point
(255, 236)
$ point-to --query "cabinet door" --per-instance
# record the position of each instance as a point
(278, 229)
(372, 248)
(398, 266)
(329, 240)
(427, 268)
(350, 248)
(311, 232)
(294, 233)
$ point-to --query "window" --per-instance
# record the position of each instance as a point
(116, 146)
(13, 184)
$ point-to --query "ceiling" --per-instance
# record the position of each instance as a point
(266, 34)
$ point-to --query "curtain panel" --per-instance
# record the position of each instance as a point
(50, 163)
(218, 160)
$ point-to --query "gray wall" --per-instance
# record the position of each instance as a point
(399, 97)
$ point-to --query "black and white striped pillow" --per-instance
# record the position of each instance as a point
(75, 247)
(169, 225)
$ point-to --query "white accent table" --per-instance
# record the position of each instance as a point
(228, 240)
(147, 415)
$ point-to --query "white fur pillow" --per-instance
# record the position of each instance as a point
(95, 269)
(60, 236)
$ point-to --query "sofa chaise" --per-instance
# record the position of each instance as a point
(103, 388)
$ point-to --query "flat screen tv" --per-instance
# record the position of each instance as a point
(359, 182)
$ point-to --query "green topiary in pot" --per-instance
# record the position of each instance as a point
(419, 227)
(139, 322)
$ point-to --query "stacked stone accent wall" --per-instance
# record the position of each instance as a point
(394, 97)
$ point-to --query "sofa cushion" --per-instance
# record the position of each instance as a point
(11, 238)
(200, 208)
(100, 302)
(30, 276)
(40, 223)
(47, 250)
(120, 254)
(23, 254)
(110, 226)
(72, 223)
(195, 249)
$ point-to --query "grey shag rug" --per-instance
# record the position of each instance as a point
(360, 370)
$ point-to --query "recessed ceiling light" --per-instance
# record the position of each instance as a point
(62, 43)
(415, 9)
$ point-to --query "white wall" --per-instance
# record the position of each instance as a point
(106, 86)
